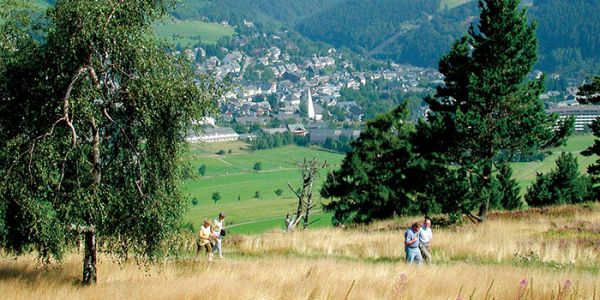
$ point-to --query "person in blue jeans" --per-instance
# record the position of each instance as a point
(411, 244)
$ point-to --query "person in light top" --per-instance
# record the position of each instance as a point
(205, 234)
(425, 238)
(411, 244)
(218, 227)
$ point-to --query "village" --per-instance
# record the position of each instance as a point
(280, 88)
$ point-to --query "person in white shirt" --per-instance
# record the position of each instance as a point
(219, 231)
(204, 236)
(425, 238)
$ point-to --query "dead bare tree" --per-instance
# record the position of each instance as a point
(310, 170)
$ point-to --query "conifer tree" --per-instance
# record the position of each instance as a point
(487, 104)
(372, 182)
(590, 93)
(508, 187)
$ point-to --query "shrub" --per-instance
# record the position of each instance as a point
(563, 185)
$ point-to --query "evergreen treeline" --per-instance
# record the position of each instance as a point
(267, 141)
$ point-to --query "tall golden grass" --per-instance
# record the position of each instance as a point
(537, 255)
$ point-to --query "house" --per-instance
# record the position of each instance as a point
(217, 134)
(297, 129)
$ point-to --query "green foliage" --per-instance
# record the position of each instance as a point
(221, 152)
(590, 93)
(202, 170)
(509, 190)
(195, 201)
(267, 141)
(487, 105)
(216, 196)
(372, 182)
(257, 166)
(278, 192)
(564, 185)
(257, 194)
(95, 113)
(192, 32)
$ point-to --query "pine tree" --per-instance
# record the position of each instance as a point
(487, 105)
(563, 185)
(371, 182)
(590, 93)
(508, 187)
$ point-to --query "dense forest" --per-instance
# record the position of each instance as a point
(283, 12)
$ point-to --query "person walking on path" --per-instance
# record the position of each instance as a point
(219, 232)
(411, 244)
(204, 239)
(425, 238)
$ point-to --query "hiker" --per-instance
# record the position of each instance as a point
(218, 227)
(204, 239)
(425, 237)
(411, 244)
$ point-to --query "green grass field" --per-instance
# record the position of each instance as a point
(233, 177)
(190, 32)
(450, 4)
(525, 172)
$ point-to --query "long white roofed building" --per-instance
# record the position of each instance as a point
(584, 114)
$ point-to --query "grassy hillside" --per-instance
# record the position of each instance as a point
(539, 254)
(525, 172)
(232, 175)
(450, 4)
(190, 32)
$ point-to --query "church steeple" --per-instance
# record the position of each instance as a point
(310, 106)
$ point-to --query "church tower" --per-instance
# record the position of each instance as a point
(310, 106)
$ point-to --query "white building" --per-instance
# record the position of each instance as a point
(211, 135)
(584, 114)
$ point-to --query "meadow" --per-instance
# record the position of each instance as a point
(538, 254)
(232, 175)
(450, 4)
(191, 32)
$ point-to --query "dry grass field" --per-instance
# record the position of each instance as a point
(538, 254)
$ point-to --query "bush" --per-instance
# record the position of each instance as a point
(257, 195)
(278, 192)
(257, 166)
(216, 196)
(194, 201)
(221, 152)
(563, 185)
(202, 170)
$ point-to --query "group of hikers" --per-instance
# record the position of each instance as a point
(417, 239)
(210, 237)
(417, 242)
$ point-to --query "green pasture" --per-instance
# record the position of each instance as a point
(450, 4)
(190, 32)
(525, 172)
(232, 175)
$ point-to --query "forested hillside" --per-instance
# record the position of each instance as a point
(265, 11)
(416, 32)
(568, 34)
